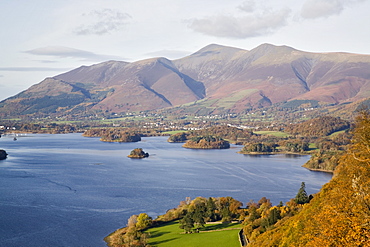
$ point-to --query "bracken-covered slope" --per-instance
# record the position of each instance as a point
(270, 74)
(339, 215)
(225, 78)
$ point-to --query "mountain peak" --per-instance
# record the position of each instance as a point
(213, 49)
(267, 48)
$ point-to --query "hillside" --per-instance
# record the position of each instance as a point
(219, 78)
(339, 215)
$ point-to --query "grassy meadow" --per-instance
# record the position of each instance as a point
(273, 133)
(217, 235)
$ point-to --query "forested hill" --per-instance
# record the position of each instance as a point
(339, 215)
(321, 126)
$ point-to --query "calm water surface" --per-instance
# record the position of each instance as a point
(69, 190)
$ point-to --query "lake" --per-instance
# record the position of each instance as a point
(69, 190)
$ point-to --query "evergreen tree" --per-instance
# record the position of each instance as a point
(198, 216)
(187, 223)
(302, 197)
(211, 210)
(274, 216)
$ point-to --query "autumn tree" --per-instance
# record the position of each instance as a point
(143, 221)
(132, 236)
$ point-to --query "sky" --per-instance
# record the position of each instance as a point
(43, 38)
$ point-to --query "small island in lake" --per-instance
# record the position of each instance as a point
(3, 154)
(138, 153)
(113, 135)
(207, 142)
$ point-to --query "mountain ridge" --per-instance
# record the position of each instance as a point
(226, 79)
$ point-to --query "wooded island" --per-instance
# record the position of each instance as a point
(138, 153)
(206, 142)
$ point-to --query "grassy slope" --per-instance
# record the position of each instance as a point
(170, 235)
(173, 132)
(337, 133)
(273, 133)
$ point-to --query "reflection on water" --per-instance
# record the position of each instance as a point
(68, 190)
(276, 156)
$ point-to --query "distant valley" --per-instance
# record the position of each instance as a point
(214, 80)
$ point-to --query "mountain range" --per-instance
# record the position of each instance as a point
(221, 78)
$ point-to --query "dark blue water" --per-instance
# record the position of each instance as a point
(69, 190)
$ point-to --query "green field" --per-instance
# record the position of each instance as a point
(273, 133)
(170, 235)
(173, 132)
(337, 133)
(312, 146)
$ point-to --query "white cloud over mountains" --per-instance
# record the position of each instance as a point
(255, 19)
(100, 22)
(253, 22)
(67, 52)
(312, 9)
(31, 69)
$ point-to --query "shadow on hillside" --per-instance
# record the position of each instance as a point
(218, 226)
(161, 242)
(156, 234)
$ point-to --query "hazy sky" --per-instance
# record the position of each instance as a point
(43, 38)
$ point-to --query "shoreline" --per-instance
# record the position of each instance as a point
(276, 153)
(318, 170)
(271, 153)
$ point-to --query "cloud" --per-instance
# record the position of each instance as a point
(247, 6)
(46, 61)
(102, 22)
(30, 69)
(313, 9)
(67, 52)
(251, 25)
(318, 8)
